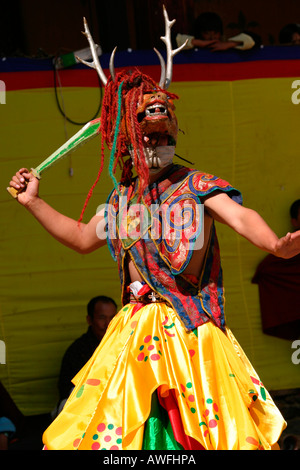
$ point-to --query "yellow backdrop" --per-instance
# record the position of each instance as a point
(246, 132)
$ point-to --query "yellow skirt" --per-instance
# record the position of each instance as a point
(221, 401)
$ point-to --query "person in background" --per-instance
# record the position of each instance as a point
(100, 311)
(19, 431)
(295, 214)
(278, 281)
(289, 35)
(208, 33)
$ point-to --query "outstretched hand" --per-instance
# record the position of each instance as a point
(288, 246)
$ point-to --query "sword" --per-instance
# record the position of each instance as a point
(86, 133)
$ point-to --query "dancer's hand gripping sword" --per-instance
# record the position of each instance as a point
(87, 132)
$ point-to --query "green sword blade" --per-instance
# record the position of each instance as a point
(87, 132)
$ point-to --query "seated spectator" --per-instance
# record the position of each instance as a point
(208, 33)
(278, 280)
(18, 431)
(100, 311)
(11, 418)
(290, 35)
(295, 214)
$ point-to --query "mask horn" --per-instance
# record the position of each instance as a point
(170, 52)
(96, 63)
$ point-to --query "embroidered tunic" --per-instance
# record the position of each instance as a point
(160, 233)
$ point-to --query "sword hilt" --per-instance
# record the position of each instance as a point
(15, 192)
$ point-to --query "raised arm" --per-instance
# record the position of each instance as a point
(83, 238)
(252, 226)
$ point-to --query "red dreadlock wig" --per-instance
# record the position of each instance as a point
(120, 127)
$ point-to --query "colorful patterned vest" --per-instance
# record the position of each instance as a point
(159, 234)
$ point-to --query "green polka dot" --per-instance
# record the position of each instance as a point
(193, 410)
(141, 347)
(209, 401)
(189, 385)
(119, 441)
(156, 338)
(80, 391)
(125, 308)
(202, 423)
(110, 426)
(95, 437)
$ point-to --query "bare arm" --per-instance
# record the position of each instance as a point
(83, 238)
(252, 226)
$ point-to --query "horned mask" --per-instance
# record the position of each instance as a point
(137, 114)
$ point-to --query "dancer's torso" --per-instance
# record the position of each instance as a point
(196, 263)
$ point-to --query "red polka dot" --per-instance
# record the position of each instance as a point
(251, 440)
(107, 438)
(95, 446)
(93, 382)
(151, 347)
(155, 357)
(192, 352)
(76, 442)
(114, 448)
(212, 423)
(254, 380)
(216, 408)
(147, 339)
(206, 412)
(141, 357)
(133, 324)
(119, 431)
(206, 432)
(101, 427)
(191, 398)
(182, 387)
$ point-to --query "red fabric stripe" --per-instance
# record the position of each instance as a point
(170, 404)
(181, 72)
(45, 79)
(237, 71)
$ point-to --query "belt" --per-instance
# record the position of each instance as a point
(140, 292)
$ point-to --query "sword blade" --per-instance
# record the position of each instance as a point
(86, 133)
